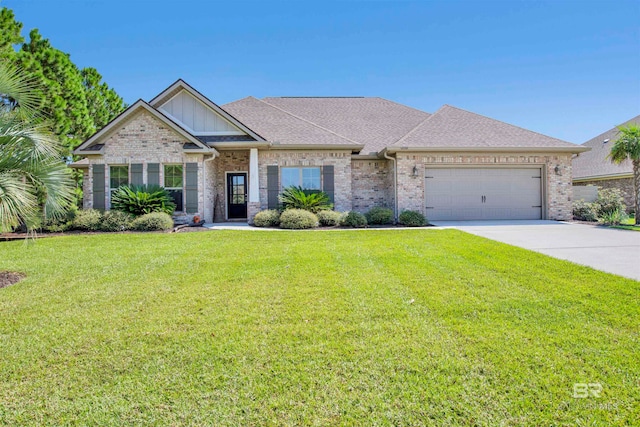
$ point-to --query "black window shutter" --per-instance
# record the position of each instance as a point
(136, 174)
(327, 181)
(272, 187)
(191, 187)
(153, 174)
(98, 186)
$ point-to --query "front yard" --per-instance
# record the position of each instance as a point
(386, 327)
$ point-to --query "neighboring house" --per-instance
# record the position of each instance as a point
(229, 162)
(595, 168)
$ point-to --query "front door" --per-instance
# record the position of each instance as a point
(236, 195)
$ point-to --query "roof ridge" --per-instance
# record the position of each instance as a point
(403, 105)
(310, 122)
(615, 127)
(416, 127)
(508, 124)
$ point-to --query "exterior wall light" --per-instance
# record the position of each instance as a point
(558, 170)
(415, 171)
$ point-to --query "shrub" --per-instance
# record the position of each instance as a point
(412, 219)
(613, 218)
(267, 218)
(141, 200)
(355, 219)
(609, 201)
(155, 221)
(309, 200)
(116, 221)
(585, 211)
(88, 220)
(330, 218)
(379, 216)
(297, 219)
(62, 223)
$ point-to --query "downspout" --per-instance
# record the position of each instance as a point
(395, 184)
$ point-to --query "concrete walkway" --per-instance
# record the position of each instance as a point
(606, 249)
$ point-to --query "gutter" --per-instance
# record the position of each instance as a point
(395, 182)
(576, 149)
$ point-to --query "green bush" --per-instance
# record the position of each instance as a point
(585, 211)
(62, 223)
(355, 219)
(613, 218)
(330, 218)
(379, 216)
(155, 221)
(609, 201)
(267, 218)
(141, 200)
(309, 200)
(412, 219)
(88, 220)
(116, 221)
(297, 219)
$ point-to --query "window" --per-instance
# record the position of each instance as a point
(118, 175)
(307, 178)
(173, 179)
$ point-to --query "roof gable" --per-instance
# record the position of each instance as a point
(178, 99)
(596, 163)
(454, 128)
(93, 144)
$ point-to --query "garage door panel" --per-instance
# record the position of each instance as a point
(483, 193)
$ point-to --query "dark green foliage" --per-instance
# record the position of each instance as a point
(116, 221)
(267, 218)
(585, 211)
(76, 100)
(613, 218)
(412, 219)
(62, 223)
(156, 221)
(609, 200)
(297, 219)
(330, 218)
(355, 219)
(309, 200)
(141, 200)
(380, 216)
(88, 220)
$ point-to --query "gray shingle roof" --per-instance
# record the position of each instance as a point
(282, 127)
(595, 163)
(453, 127)
(373, 122)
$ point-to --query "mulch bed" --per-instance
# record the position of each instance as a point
(8, 278)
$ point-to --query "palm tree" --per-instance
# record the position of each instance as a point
(628, 147)
(35, 183)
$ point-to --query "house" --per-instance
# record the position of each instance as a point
(595, 168)
(229, 162)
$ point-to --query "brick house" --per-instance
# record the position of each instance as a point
(595, 168)
(229, 162)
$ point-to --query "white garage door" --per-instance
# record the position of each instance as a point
(483, 193)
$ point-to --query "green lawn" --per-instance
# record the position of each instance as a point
(417, 327)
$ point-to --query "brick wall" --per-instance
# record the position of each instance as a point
(142, 139)
(372, 184)
(625, 185)
(341, 161)
(558, 186)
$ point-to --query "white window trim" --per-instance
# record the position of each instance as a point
(111, 190)
(175, 188)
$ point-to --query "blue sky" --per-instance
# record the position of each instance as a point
(569, 69)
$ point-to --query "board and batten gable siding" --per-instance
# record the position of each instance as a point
(270, 162)
(197, 117)
(144, 140)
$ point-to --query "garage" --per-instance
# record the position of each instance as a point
(461, 194)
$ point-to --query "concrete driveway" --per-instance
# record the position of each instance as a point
(606, 249)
